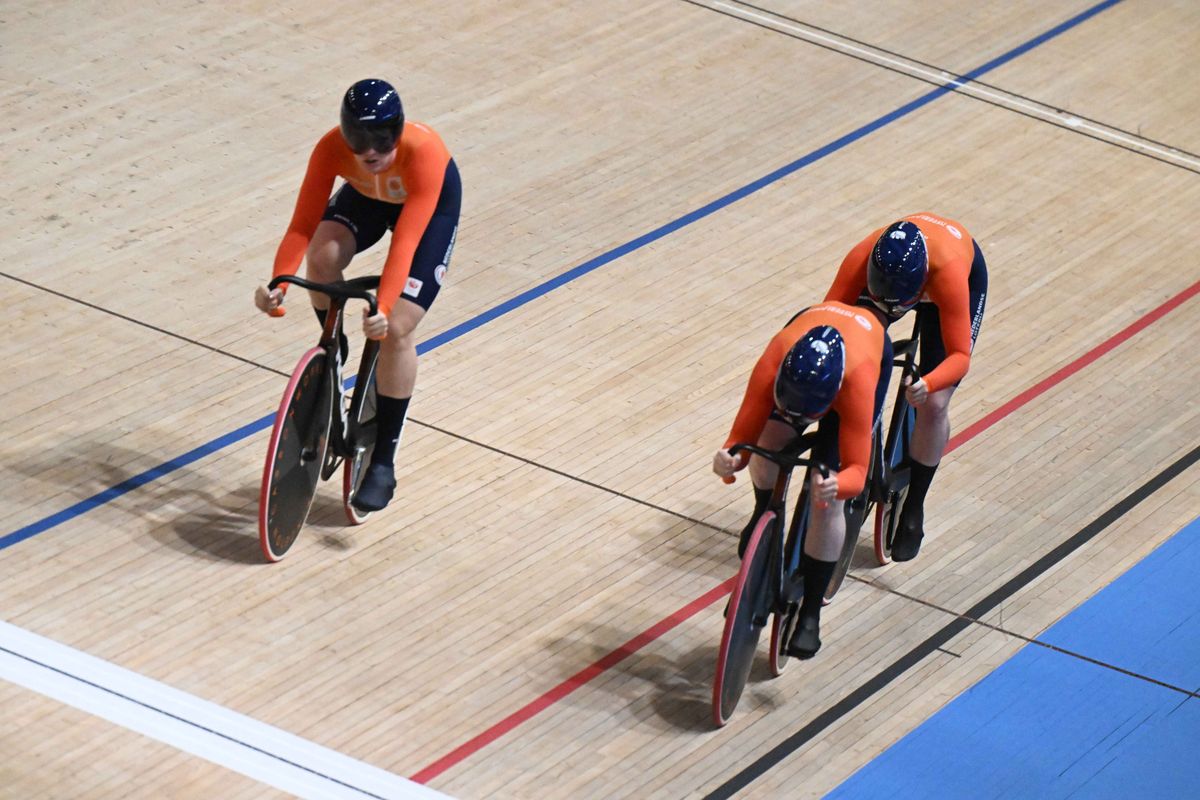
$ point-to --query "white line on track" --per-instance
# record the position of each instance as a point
(237, 742)
(944, 78)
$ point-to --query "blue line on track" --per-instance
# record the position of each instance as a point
(526, 297)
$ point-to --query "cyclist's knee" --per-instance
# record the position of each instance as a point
(938, 403)
(402, 326)
(329, 253)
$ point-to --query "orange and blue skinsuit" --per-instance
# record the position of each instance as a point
(952, 287)
(856, 401)
(414, 180)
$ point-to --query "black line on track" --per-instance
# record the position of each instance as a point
(958, 91)
(1029, 640)
(147, 325)
(602, 488)
(971, 616)
(432, 427)
(571, 477)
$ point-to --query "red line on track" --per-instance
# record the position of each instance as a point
(572, 683)
(655, 631)
(969, 432)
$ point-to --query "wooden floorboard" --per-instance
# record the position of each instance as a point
(555, 500)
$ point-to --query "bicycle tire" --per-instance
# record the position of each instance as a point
(362, 423)
(739, 639)
(295, 454)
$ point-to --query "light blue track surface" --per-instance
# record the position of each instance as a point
(1047, 724)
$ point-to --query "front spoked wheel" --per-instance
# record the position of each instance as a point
(295, 454)
(742, 623)
(361, 442)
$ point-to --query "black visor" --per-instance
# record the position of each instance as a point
(380, 138)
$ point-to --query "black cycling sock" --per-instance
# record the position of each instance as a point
(343, 342)
(920, 477)
(761, 498)
(816, 580)
(389, 419)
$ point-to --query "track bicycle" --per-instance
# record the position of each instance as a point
(768, 583)
(319, 426)
(891, 464)
(886, 486)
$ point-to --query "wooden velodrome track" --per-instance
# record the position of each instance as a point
(537, 615)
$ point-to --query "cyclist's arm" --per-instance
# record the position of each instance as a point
(953, 302)
(851, 276)
(759, 399)
(310, 207)
(856, 407)
(423, 182)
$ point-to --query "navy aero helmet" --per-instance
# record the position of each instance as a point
(897, 268)
(811, 375)
(372, 117)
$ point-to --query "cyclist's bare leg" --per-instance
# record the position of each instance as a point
(398, 352)
(395, 377)
(932, 429)
(822, 546)
(826, 529)
(931, 433)
(775, 436)
(329, 254)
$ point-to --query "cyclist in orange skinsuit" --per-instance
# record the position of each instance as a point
(831, 363)
(398, 175)
(933, 261)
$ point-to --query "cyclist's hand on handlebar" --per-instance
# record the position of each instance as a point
(269, 301)
(725, 465)
(824, 489)
(917, 392)
(375, 327)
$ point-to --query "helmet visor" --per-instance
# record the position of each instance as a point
(380, 138)
(798, 419)
(800, 409)
(893, 310)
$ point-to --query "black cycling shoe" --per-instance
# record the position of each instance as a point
(376, 489)
(805, 641)
(907, 541)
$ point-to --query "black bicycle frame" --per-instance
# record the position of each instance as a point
(886, 479)
(343, 433)
(772, 597)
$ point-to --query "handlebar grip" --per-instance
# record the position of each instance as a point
(278, 311)
(729, 479)
(340, 289)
